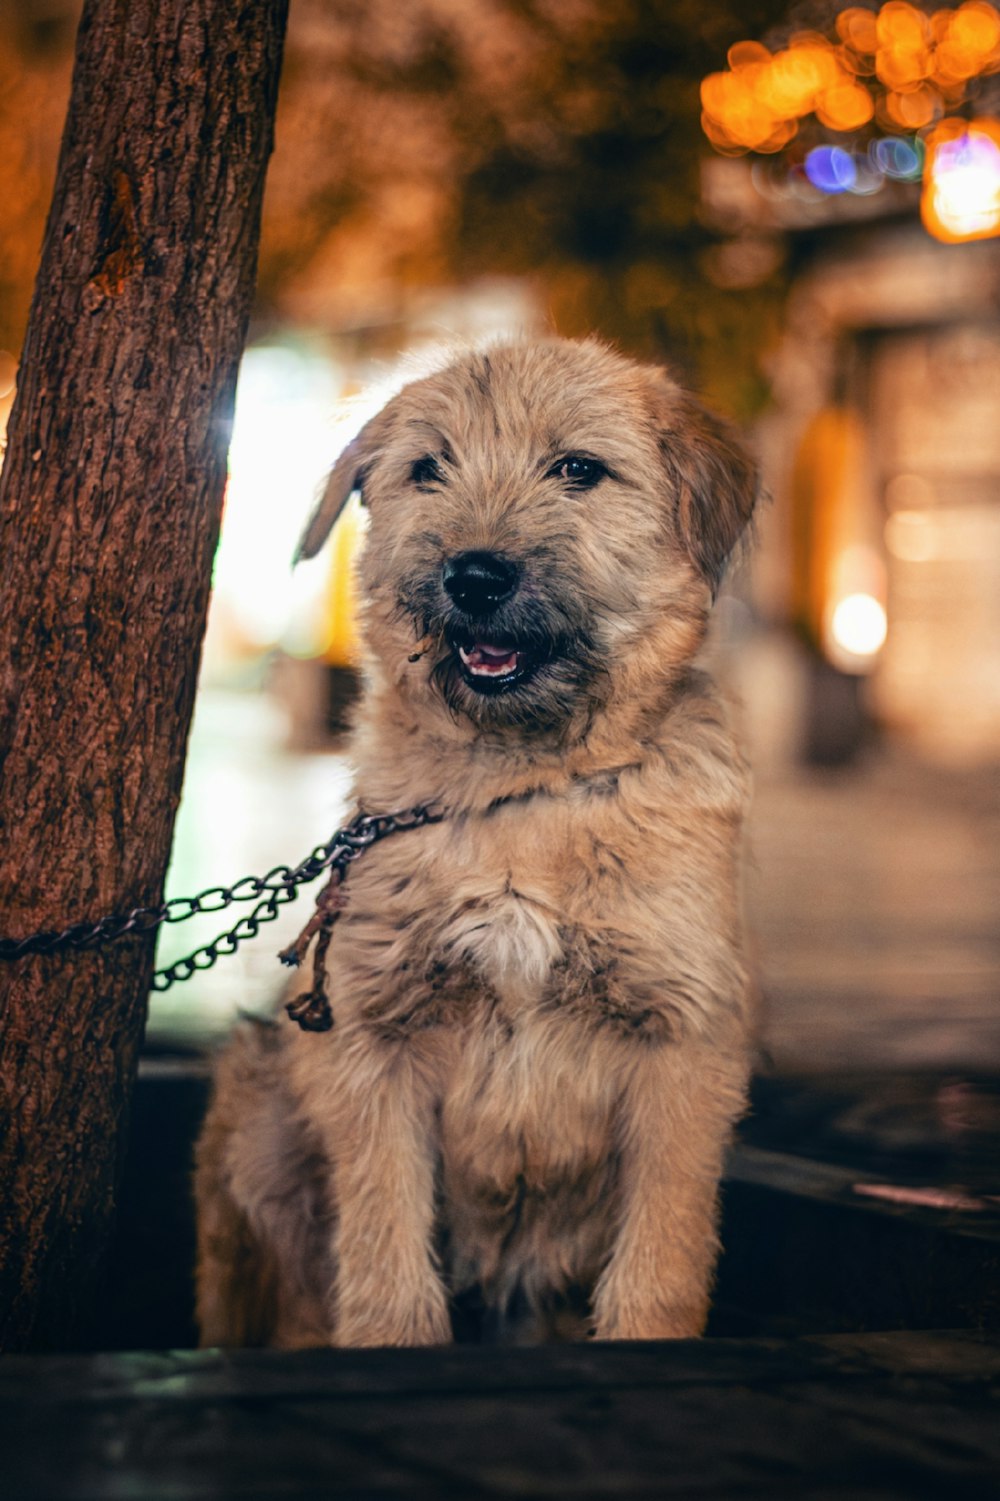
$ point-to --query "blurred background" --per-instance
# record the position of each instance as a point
(797, 207)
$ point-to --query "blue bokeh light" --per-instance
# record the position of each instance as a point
(898, 158)
(831, 169)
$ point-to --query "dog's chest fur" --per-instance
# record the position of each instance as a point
(481, 919)
(507, 938)
(525, 1115)
(467, 949)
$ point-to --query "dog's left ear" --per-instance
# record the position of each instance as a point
(715, 482)
(346, 476)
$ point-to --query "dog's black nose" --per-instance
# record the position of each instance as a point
(479, 581)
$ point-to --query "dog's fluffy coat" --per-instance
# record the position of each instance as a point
(540, 1002)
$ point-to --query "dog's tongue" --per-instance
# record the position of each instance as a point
(480, 657)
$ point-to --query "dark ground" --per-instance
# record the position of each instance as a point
(889, 1416)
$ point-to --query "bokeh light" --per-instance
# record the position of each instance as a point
(857, 629)
(283, 439)
(858, 30)
(961, 196)
(846, 106)
(893, 77)
(912, 536)
(831, 169)
(912, 109)
(898, 158)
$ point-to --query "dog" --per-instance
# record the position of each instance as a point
(540, 1002)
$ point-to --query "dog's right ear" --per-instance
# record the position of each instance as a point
(346, 476)
(715, 482)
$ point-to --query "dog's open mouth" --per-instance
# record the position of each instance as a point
(493, 666)
(486, 661)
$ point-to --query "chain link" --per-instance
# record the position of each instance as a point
(271, 892)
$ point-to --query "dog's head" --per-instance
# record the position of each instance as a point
(552, 519)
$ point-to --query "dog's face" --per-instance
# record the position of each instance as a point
(549, 521)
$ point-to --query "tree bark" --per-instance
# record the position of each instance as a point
(110, 502)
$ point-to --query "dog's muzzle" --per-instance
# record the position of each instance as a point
(489, 658)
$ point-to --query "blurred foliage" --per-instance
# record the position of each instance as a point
(557, 140)
(425, 145)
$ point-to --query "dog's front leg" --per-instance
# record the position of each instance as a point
(383, 1151)
(676, 1116)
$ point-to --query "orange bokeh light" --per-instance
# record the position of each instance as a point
(737, 110)
(794, 78)
(746, 54)
(847, 106)
(857, 28)
(976, 27)
(903, 67)
(922, 66)
(914, 110)
(900, 27)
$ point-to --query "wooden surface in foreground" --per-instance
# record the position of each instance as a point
(899, 1415)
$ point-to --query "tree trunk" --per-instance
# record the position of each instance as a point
(110, 502)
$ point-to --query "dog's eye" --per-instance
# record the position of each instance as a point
(579, 472)
(426, 471)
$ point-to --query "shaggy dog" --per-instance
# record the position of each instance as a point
(540, 1038)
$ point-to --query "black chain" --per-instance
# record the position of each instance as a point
(279, 886)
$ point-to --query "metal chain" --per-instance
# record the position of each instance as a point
(279, 886)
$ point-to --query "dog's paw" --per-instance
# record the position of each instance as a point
(634, 1317)
(423, 1320)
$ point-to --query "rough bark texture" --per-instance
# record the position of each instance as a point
(109, 512)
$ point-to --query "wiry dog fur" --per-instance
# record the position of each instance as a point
(540, 1038)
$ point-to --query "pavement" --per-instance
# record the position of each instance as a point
(874, 904)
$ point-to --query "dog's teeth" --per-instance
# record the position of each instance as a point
(488, 661)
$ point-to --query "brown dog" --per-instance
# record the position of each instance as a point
(540, 1039)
